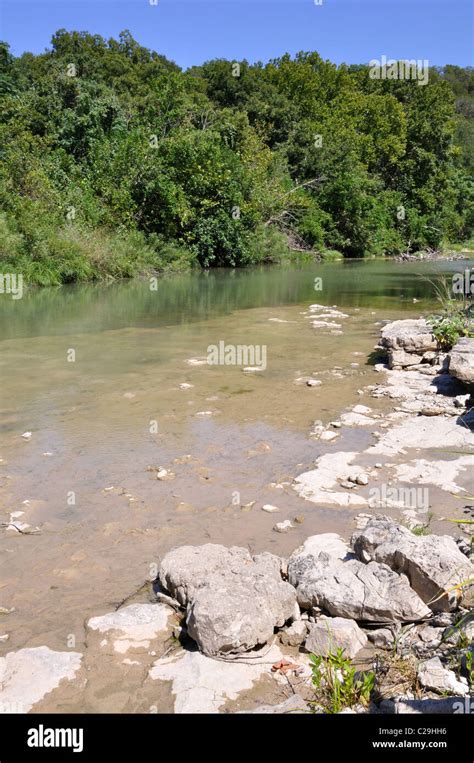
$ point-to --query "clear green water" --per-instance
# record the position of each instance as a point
(199, 296)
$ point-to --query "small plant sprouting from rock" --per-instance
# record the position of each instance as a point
(456, 318)
(450, 326)
(336, 683)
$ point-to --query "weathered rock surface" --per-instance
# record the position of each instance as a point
(382, 638)
(133, 627)
(204, 685)
(461, 361)
(328, 543)
(318, 484)
(407, 341)
(295, 634)
(332, 633)
(433, 563)
(234, 601)
(351, 589)
(27, 675)
(434, 676)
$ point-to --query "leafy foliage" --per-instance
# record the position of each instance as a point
(114, 161)
(336, 684)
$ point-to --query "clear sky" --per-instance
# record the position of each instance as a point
(192, 31)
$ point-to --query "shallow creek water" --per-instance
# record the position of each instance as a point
(85, 475)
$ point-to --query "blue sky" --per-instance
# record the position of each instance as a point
(192, 31)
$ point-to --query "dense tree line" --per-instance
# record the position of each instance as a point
(113, 161)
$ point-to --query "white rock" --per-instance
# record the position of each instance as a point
(134, 626)
(270, 509)
(328, 543)
(317, 485)
(382, 638)
(295, 634)
(234, 601)
(363, 409)
(185, 385)
(27, 435)
(204, 685)
(332, 633)
(328, 436)
(434, 676)
(433, 563)
(351, 589)
(27, 675)
(352, 419)
(283, 527)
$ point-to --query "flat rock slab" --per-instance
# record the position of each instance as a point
(133, 627)
(433, 564)
(318, 484)
(328, 543)
(204, 685)
(423, 432)
(234, 601)
(332, 633)
(27, 675)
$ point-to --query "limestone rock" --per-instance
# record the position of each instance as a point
(410, 335)
(234, 601)
(433, 563)
(434, 676)
(371, 592)
(134, 626)
(295, 634)
(332, 633)
(27, 675)
(461, 363)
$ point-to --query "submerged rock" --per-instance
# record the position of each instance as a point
(234, 601)
(27, 675)
(134, 626)
(204, 685)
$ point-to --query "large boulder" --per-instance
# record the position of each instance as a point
(351, 589)
(461, 361)
(437, 570)
(407, 341)
(233, 600)
(409, 335)
(332, 633)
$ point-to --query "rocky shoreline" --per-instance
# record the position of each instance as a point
(230, 631)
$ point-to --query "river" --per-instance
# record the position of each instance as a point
(94, 373)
